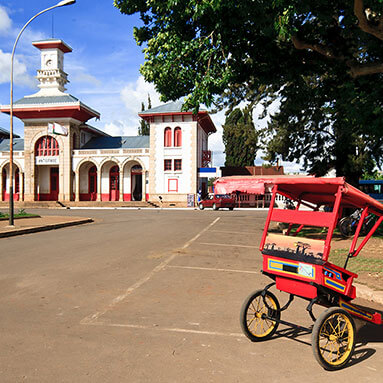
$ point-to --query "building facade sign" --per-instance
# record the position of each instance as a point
(47, 160)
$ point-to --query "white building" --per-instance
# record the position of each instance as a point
(64, 158)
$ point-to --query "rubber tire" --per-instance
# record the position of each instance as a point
(345, 228)
(214, 206)
(243, 316)
(200, 206)
(315, 338)
(231, 208)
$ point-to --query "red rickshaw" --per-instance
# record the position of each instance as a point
(299, 266)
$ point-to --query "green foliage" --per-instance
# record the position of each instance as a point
(240, 138)
(316, 57)
(143, 129)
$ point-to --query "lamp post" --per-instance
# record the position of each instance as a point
(11, 215)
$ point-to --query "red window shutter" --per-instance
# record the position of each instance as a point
(177, 137)
(168, 137)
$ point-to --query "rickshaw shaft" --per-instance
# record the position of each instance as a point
(293, 325)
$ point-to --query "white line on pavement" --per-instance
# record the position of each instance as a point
(182, 330)
(140, 282)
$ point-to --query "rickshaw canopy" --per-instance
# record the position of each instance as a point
(322, 191)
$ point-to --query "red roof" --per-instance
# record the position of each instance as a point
(51, 44)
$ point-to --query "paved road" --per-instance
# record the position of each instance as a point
(150, 296)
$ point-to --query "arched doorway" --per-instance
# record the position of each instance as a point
(47, 169)
(87, 179)
(136, 183)
(114, 183)
(6, 184)
(92, 183)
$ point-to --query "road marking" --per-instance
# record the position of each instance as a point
(227, 245)
(146, 278)
(181, 330)
(214, 269)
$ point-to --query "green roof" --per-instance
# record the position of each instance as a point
(64, 99)
(170, 107)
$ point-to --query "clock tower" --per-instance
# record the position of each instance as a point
(51, 76)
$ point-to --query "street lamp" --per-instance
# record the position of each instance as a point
(11, 217)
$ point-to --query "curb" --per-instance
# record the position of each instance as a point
(369, 294)
(37, 229)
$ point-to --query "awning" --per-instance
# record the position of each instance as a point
(227, 185)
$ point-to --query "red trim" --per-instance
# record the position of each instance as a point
(127, 197)
(52, 44)
(173, 179)
(202, 117)
(16, 196)
(146, 197)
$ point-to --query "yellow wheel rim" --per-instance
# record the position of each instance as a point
(336, 339)
(258, 326)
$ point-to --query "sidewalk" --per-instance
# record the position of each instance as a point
(34, 225)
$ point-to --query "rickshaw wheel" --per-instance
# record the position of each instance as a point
(333, 338)
(253, 323)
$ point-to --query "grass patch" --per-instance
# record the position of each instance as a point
(20, 214)
(356, 264)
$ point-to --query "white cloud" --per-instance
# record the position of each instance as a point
(86, 78)
(5, 21)
(120, 128)
(20, 75)
(137, 92)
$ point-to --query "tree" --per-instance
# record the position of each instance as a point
(143, 129)
(240, 138)
(225, 52)
(328, 123)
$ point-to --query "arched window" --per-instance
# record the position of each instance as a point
(47, 146)
(168, 137)
(177, 137)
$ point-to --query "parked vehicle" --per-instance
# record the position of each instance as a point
(299, 266)
(218, 201)
(347, 225)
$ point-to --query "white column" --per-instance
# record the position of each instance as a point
(1, 186)
(143, 185)
(21, 185)
(121, 185)
(99, 176)
(77, 180)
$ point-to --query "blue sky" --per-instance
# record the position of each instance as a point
(103, 68)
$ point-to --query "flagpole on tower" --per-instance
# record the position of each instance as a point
(11, 203)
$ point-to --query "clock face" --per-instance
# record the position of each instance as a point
(48, 63)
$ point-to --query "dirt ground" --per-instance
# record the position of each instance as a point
(373, 252)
